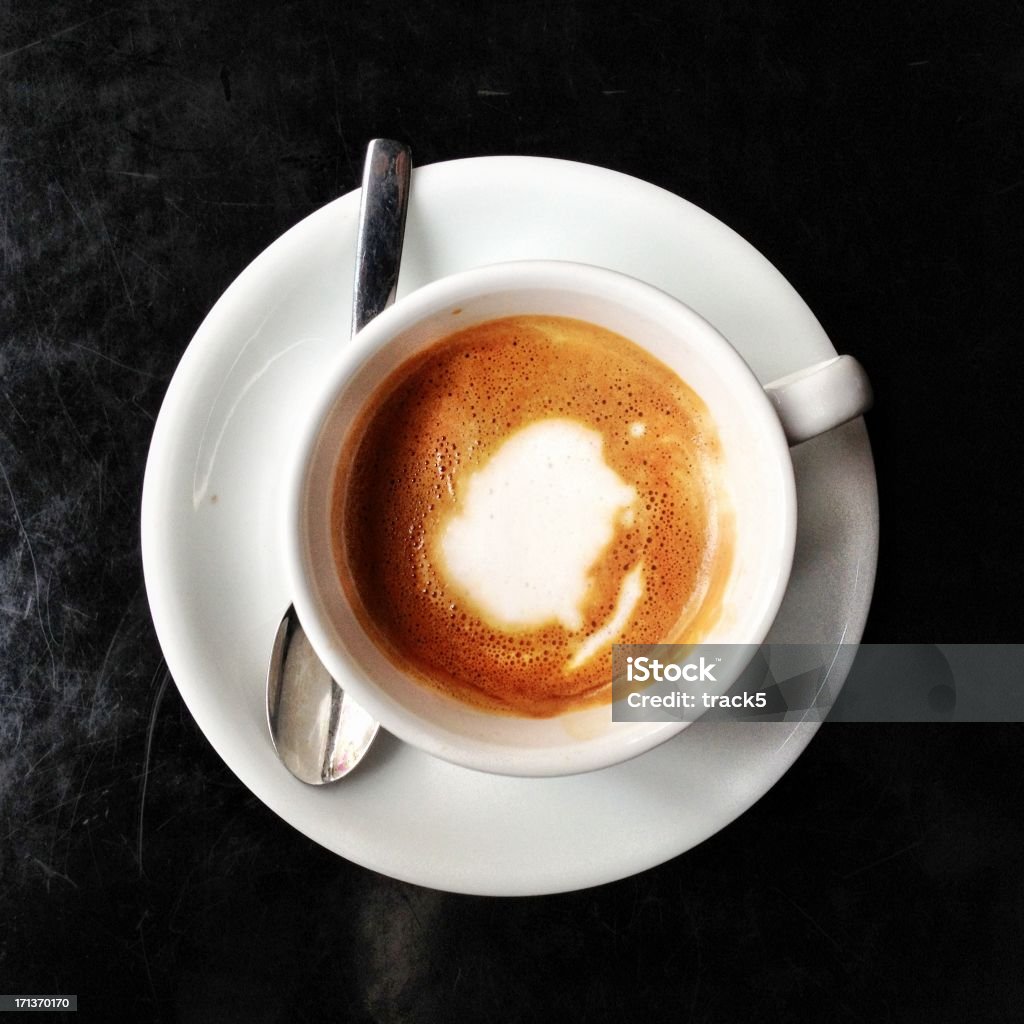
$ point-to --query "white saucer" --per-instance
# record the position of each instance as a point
(211, 521)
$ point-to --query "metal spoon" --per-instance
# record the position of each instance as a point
(318, 732)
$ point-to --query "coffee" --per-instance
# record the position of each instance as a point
(518, 497)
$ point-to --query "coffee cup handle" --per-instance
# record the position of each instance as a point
(820, 397)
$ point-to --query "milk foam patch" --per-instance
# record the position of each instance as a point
(533, 522)
(630, 592)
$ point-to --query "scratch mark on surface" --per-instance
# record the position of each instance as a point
(146, 766)
(131, 174)
(116, 362)
(493, 92)
(74, 207)
(145, 412)
(53, 873)
(807, 917)
(73, 423)
(145, 956)
(49, 619)
(35, 764)
(52, 36)
(39, 702)
(228, 202)
(14, 409)
(102, 675)
(883, 860)
(35, 573)
(338, 127)
(21, 825)
(103, 229)
(149, 266)
(81, 787)
(112, 248)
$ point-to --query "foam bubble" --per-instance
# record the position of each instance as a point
(534, 520)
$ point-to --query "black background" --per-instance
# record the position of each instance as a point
(872, 151)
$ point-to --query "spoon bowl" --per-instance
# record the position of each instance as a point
(319, 733)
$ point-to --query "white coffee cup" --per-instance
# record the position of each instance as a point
(755, 424)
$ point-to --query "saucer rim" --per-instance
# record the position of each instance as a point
(174, 638)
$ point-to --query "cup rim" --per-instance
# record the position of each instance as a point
(376, 335)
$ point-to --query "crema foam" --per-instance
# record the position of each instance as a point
(519, 497)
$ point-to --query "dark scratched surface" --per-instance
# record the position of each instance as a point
(148, 152)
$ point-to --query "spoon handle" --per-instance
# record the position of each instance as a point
(382, 208)
(318, 733)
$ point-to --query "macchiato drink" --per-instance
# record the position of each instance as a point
(519, 497)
